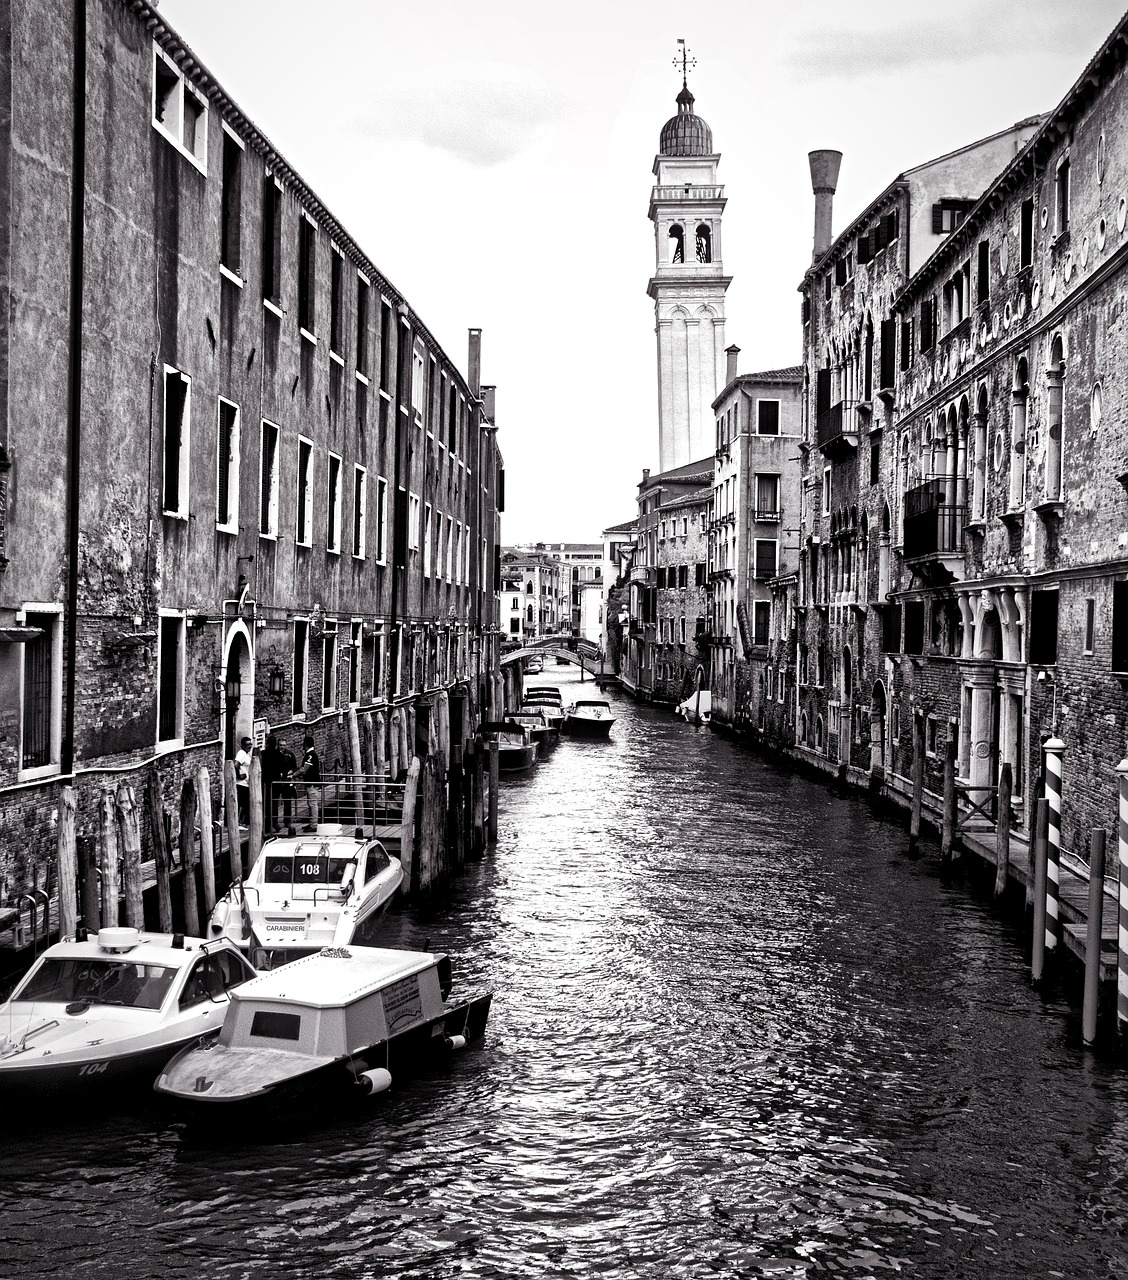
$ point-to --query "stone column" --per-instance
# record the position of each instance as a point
(982, 689)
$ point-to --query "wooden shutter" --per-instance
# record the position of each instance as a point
(888, 352)
(1120, 626)
(822, 392)
(938, 219)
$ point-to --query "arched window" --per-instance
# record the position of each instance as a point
(847, 673)
(979, 453)
(819, 733)
(704, 244)
(1055, 383)
(529, 614)
(677, 244)
(528, 588)
(1019, 398)
(868, 366)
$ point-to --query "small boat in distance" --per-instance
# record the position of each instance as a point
(589, 718)
(534, 665)
(515, 746)
(535, 720)
(110, 1010)
(308, 891)
(546, 698)
(338, 1025)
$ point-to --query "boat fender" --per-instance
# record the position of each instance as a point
(455, 1042)
(375, 1081)
(218, 922)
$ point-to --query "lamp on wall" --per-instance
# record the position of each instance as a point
(277, 680)
(233, 689)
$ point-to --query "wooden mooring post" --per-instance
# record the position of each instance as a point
(491, 834)
(254, 806)
(133, 885)
(1038, 942)
(207, 828)
(949, 825)
(918, 782)
(187, 857)
(68, 865)
(108, 856)
(160, 852)
(1093, 924)
(1003, 831)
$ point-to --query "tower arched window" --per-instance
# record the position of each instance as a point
(677, 244)
(1055, 379)
(704, 244)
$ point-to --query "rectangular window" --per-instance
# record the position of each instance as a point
(1026, 235)
(683, 575)
(906, 344)
(449, 549)
(914, 626)
(458, 575)
(927, 324)
(170, 684)
(329, 667)
(452, 421)
(227, 468)
(41, 693)
(360, 512)
(983, 274)
(272, 241)
(1120, 626)
(826, 490)
(1090, 624)
(231, 207)
(1061, 198)
(761, 621)
(891, 628)
(418, 373)
(387, 347)
(875, 459)
(1043, 627)
(303, 534)
(177, 441)
(766, 558)
(333, 505)
(354, 661)
(427, 540)
(307, 273)
(767, 417)
(381, 520)
(888, 364)
(699, 575)
(179, 112)
(336, 270)
(362, 290)
(301, 666)
(429, 410)
(767, 497)
(413, 522)
(268, 481)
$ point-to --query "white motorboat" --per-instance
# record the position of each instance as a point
(306, 892)
(111, 1010)
(334, 1026)
(589, 718)
(546, 699)
(516, 748)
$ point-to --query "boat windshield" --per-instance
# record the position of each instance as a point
(128, 983)
(314, 866)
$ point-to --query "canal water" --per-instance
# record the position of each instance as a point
(735, 1033)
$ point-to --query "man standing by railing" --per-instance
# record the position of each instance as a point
(309, 771)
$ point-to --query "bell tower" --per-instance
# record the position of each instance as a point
(689, 284)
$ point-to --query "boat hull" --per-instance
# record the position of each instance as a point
(584, 727)
(424, 1046)
(516, 759)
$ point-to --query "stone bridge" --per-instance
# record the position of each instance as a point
(585, 655)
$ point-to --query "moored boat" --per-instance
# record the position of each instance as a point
(589, 718)
(535, 720)
(516, 749)
(308, 891)
(341, 1024)
(109, 1011)
(545, 698)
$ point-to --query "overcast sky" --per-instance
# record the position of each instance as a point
(494, 159)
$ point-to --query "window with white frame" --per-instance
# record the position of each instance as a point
(231, 206)
(360, 511)
(458, 554)
(767, 417)
(177, 441)
(826, 491)
(333, 505)
(381, 520)
(379, 664)
(227, 468)
(449, 548)
(179, 111)
(767, 497)
(303, 532)
(301, 666)
(413, 521)
(268, 481)
(418, 375)
(170, 678)
(354, 660)
(427, 540)
(329, 667)
(1061, 197)
(41, 692)
(766, 557)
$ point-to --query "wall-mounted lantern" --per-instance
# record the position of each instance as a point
(277, 681)
(233, 689)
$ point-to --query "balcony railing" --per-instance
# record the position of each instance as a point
(932, 526)
(766, 514)
(838, 423)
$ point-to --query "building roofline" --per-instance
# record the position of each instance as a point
(196, 71)
(770, 377)
(1099, 69)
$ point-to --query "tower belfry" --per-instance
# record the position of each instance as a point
(688, 285)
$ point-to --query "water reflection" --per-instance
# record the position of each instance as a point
(735, 1033)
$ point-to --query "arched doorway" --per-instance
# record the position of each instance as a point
(877, 728)
(238, 690)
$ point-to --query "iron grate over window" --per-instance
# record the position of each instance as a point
(37, 683)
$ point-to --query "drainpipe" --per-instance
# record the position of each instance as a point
(74, 375)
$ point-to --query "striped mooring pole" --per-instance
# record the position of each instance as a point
(1122, 919)
(1054, 750)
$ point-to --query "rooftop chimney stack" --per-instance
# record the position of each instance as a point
(475, 361)
(824, 180)
(730, 362)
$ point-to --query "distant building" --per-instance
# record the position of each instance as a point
(544, 587)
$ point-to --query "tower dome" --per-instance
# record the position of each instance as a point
(685, 134)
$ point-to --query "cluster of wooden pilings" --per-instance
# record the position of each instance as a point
(1070, 907)
(449, 815)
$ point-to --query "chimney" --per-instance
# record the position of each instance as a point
(645, 475)
(824, 180)
(730, 362)
(475, 362)
(488, 404)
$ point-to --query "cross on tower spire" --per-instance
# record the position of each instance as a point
(684, 62)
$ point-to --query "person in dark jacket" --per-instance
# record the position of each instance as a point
(309, 771)
(277, 789)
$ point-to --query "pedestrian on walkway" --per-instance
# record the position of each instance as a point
(309, 771)
(243, 780)
(277, 789)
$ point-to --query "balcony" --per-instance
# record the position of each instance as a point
(934, 529)
(768, 515)
(838, 427)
